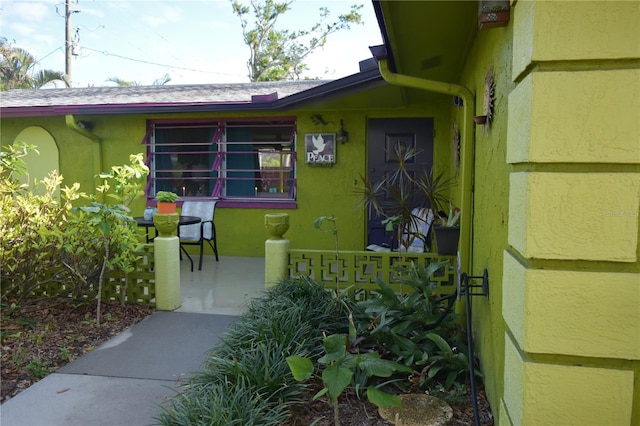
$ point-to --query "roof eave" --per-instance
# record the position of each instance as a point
(339, 87)
(386, 51)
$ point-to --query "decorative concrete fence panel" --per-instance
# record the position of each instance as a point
(138, 285)
(360, 270)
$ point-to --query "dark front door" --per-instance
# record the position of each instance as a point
(384, 134)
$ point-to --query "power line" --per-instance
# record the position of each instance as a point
(104, 52)
(50, 53)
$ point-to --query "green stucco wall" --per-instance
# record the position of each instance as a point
(541, 169)
(75, 152)
(552, 222)
(490, 51)
(240, 231)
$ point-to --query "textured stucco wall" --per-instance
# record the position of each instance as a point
(586, 117)
(553, 393)
(490, 52)
(575, 216)
(75, 151)
(571, 273)
(241, 232)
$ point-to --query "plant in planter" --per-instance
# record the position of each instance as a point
(166, 201)
(447, 231)
(405, 199)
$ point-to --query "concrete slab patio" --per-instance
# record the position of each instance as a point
(124, 380)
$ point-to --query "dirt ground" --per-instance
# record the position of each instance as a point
(38, 340)
(356, 412)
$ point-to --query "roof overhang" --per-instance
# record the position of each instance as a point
(426, 39)
(322, 92)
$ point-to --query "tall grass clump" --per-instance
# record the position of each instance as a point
(245, 378)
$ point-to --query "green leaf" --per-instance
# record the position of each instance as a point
(301, 367)
(433, 371)
(433, 267)
(403, 327)
(104, 227)
(336, 379)
(440, 342)
(451, 377)
(335, 347)
(388, 295)
(383, 399)
(373, 365)
(320, 393)
(405, 343)
(91, 209)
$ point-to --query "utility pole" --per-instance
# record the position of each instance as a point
(68, 43)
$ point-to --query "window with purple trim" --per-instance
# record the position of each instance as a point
(230, 159)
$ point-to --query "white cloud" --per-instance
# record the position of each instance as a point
(163, 15)
(21, 28)
(29, 11)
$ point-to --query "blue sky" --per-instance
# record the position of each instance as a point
(195, 41)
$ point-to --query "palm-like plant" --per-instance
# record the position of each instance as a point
(17, 70)
(400, 192)
(128, 83)
(436, 191)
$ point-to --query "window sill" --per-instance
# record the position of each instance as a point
(240, 204)
(254, 204)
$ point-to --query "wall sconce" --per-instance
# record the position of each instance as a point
(343, 135)
(85, 125)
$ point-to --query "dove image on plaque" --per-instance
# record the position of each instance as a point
(320, 148)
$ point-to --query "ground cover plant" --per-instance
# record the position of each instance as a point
(245, 378)
(348, 357)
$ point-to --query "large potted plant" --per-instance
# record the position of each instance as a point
(447, 231)
(405, 199)
(166, 202)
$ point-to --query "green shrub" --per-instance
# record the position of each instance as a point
(250, 359)
(48, 248)
(41, 251)
(402, 327)
(224, 404)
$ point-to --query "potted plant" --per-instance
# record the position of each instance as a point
(447, 231)
(402, 198)
(166, 202)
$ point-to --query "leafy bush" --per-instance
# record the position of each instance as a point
(225, 403)
(247, 377)
(415, 329)
(48, 248)
(340, 368)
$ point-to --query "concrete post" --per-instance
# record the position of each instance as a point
(167, 262)
(276, 248)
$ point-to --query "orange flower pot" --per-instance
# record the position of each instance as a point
(166, 208)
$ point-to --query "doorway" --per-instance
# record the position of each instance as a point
(384, 135)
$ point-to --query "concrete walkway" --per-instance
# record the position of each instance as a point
(124, 380)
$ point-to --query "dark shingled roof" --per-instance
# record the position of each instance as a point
(169, 94)
(176, 99)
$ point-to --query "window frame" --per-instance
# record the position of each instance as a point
(222, 176)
